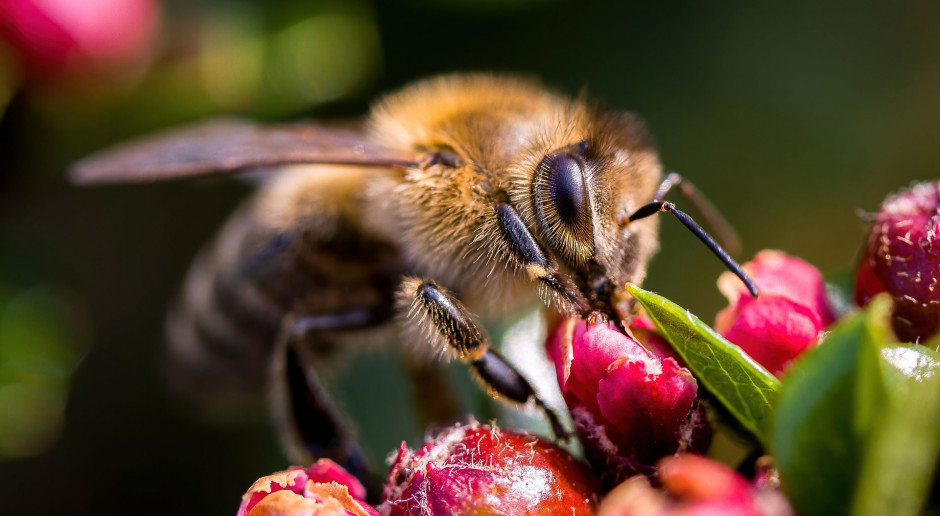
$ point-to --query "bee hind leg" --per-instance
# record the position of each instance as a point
(310, 425)
(434, 316)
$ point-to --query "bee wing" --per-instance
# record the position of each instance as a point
(227, 145)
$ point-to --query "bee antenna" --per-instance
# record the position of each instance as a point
(723, 230)
(664, 206)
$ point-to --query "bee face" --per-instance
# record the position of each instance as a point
(533, 186)
(606, 165)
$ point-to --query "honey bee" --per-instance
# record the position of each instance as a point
(457, 194)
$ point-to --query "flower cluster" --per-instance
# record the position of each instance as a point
(902, 258)
(694, 485)
(637, 408)
(323, 489)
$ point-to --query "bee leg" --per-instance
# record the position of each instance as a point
(436, 399)
(502, 380)
(439, 317)
(311, 427)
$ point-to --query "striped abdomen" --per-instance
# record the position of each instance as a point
(298, 248)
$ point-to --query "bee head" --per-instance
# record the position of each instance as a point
(516, 179)
(579, 185)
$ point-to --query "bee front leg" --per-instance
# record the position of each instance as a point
(435, 317)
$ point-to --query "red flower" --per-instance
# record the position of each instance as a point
(787, 316)
(323, 489)
(631, 404)
(65, 37)
(474, 469)
(693, 485)
(902, 258)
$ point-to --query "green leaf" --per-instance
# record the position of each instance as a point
(747, 390)
(905, 444)
(910, 361)
(829, 405)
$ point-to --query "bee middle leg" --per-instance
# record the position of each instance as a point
(436, 398)
(444, 323)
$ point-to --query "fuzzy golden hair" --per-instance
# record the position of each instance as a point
(502, 128)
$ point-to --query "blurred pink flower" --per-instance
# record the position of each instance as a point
(787, 316)
(903, 258)
(631, 405)
(693, 485)
(323, 489)
(55, 38)
(474, 469)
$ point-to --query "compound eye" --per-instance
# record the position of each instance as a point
(564, 187)
(563, 205)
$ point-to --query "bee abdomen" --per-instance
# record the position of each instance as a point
(298, 248)
(220, 333)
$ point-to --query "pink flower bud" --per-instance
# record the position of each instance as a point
(644, 330)
(631, 405)
(474, 469)
(693, 485)
(787, 316)
(697, 479)
(903, 258)
(323, 489)
(67, 37)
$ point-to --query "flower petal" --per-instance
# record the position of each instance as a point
(772, 330)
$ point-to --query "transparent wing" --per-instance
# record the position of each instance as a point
(227, 145)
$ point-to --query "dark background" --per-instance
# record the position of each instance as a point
(792, 119)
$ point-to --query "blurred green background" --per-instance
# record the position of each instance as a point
(793, 119)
